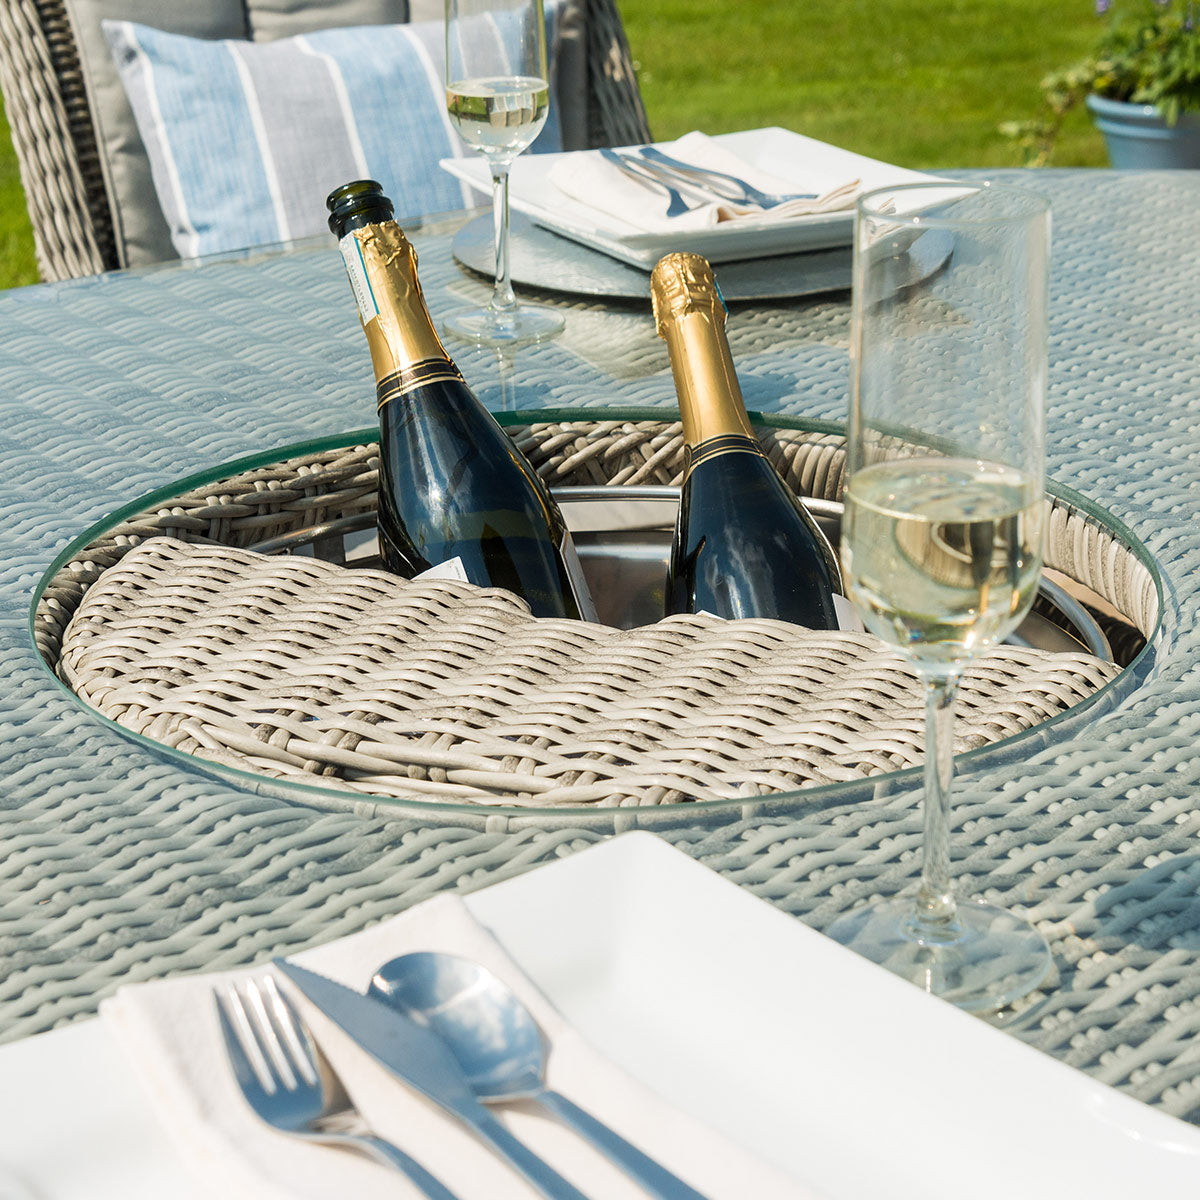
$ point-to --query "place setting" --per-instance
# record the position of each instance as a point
(774, 208)
(583, 1030)
(425, 1033)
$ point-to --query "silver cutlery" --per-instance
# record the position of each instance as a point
(421, 1059)
(499, 1047)
(727, 187)
(275, 1062)
(676, 204)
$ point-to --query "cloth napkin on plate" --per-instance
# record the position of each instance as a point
(588, 179)
(170, 1035)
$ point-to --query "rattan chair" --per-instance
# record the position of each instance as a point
(55, 139)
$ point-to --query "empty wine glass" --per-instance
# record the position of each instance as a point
(498, 96)
(944, 516)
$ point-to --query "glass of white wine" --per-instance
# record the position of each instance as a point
(944, 516)
(498, 96)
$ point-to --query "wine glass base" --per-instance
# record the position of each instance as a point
(519, 326)
(989, 960)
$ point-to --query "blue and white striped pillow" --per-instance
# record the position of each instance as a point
(228, 124)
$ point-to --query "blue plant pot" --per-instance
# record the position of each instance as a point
(1139, 139)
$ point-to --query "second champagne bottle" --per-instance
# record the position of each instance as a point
(453, 486)
(744, 544)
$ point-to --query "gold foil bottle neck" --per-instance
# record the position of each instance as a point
(387, 247)
(401, 333)
(690, 316)
(683, 283)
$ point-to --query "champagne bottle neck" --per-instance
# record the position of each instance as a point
(406, 351)
(710, 398)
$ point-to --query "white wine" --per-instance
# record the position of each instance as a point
(744, 544)
(453, 486)
(501, 115)
(942, 555)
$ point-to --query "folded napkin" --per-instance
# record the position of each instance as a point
(589, 179)
(170, 1035)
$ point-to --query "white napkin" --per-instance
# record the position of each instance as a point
(169, 1032)
(587, 178)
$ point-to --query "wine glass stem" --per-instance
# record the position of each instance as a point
(504, 368)
(503, 299)
(936, 916)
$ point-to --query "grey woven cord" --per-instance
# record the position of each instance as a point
(616, 115)
(120, 864)
(47, 112)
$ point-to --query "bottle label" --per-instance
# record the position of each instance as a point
(714, 447)
(352, 256)
(583, 594)
(847, 615)
(415, 375)
(452, 568)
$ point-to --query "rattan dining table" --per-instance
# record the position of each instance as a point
(120, 864)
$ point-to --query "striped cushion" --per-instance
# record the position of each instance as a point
(246, 139)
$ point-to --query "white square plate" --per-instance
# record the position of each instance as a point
(790, 156)
(854, 1082)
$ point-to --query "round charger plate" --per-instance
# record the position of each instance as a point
(541, 259)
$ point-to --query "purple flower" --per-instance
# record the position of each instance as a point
(1102, 6)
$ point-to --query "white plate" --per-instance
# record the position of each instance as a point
(855, 1082)
(790, 156)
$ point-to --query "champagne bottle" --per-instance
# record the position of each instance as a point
(453, 487)
(744, 545)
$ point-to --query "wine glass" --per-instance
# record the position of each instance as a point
(498, 95)
(944, 516)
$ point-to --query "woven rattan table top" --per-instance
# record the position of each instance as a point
(117, 865)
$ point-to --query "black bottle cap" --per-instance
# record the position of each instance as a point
(356, 204)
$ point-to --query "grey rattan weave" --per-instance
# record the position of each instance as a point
(47, 110)
(55, 139)
(119, 864)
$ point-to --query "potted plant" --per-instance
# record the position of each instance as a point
(1141, 85)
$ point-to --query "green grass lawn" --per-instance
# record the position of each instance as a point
(916, 82)
(17, 264)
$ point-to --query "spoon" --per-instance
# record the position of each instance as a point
(499, 1047)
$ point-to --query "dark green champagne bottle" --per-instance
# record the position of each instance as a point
(452, 484)
(744, 545)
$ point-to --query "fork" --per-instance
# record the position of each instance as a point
(274, 1060)
(718, 182)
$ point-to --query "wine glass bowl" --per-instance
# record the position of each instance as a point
(945, 516)
(501, 116)
(943, 554)
(498, 97)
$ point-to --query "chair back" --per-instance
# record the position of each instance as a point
(73, 214)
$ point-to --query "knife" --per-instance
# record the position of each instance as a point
(418, 1057)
